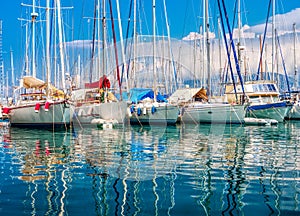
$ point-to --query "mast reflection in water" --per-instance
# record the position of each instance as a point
(174, 170)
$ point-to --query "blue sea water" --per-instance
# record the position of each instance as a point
(132, 170)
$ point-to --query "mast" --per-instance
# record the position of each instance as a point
(220, 49)
(61, 51)
(26, 72)
(104, 36)
(12, 68)
(207, 49)
(98, 36)
(154, 49)
(169, 46)
(239, 46)
(115, 48)
(239, 33)
(93, 44)
(203, 42)
(260, 60)
(48, 79)
(273, 39)
(121, 38)
(134, 44)
(295, 60)
(34, 15)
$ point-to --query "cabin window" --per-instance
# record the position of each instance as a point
(271, 87)
(255, 88)
(266, 88)
(261, 88)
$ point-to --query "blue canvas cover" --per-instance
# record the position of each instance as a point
(139, 94)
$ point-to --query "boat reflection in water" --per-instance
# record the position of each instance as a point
(175, 170)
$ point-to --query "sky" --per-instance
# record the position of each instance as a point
(184, 16)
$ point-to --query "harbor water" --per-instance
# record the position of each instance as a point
(151, 170)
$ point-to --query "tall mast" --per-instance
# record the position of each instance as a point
(239, 33)
(207, 49)
(48, 79)
(203, 42)
(134, 45)
(12, 68)
(273, 39)
(93, 43)
(34, 15)
(98, 41)
(61, 51)
(220, 49)
(122, 41)
(154, 49)
(115, 48)
(26, 72)
(295, 60)
(169, 46)
(104, 37)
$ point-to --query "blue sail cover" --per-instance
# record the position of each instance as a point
(139, 94)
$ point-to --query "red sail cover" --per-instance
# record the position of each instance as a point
(102, 83)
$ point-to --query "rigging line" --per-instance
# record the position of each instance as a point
(51, 28)
(170, 48)
(227, 51)
(93, 43)
(283, 64)
(233, 48)
(125, 45)
(115, 47)
(264, 39)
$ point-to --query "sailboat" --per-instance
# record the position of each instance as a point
(261, 95)
(147, 106)
(96, 103)
(198, 107)
(263, 99)
(39, 103)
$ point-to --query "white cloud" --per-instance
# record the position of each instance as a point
(283, 23)
(197, 36)
(245, 33)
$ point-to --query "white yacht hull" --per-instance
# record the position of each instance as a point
(58, 114)
(164, 114)
(278, 111)
(213, 113)
(86, 113)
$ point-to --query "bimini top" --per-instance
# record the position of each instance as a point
(32, 82)
(185, 95)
